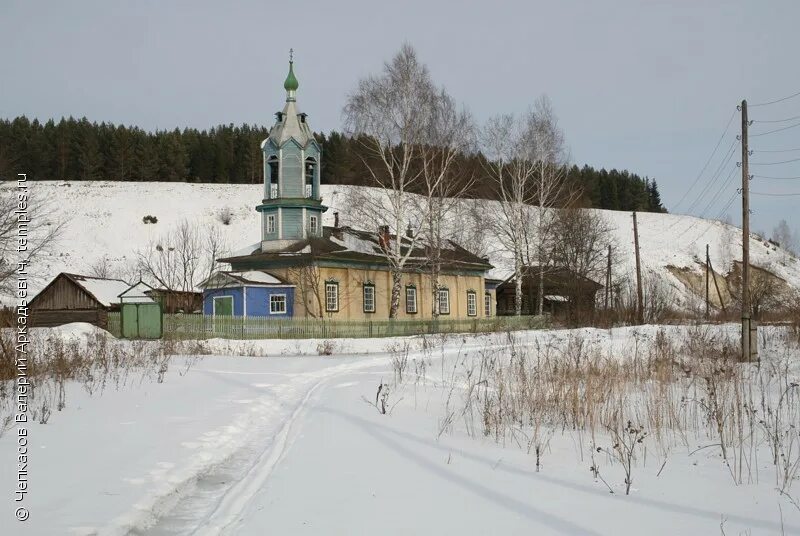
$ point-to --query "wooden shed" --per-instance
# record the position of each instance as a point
(76, 298)
(565, 292)
(177, 301)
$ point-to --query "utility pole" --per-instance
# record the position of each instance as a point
(608, 275)
(746, 344)
(716, 286)
(639, 297)
(708, 261)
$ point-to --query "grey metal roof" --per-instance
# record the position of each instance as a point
(290, 127)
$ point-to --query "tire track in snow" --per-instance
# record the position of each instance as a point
(205, 504)
(228, 511)
(229, 504)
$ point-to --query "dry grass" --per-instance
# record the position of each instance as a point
(658, 395)
(95, 362)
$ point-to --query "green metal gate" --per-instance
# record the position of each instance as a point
(142, 321)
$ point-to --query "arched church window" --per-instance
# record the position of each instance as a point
(311, 166)
(273, 177)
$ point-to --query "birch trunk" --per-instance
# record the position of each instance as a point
(397, 277)
(518, 287)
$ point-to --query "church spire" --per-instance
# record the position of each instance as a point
(290, 85)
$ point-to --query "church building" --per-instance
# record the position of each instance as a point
(304, 269)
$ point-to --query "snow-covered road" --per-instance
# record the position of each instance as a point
(291, 445)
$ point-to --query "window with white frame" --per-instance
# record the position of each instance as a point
(444, 301)
(487, 303)
(411, 300)
(270, 224)
(277, 304)
(472, 303)
(331, 296)
(369, 298)
(312, 226)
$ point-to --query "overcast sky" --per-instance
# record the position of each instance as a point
(645, 86)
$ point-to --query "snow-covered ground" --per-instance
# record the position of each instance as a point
(104, 219)
(288, 442)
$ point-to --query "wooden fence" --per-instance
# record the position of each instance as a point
(197, 326)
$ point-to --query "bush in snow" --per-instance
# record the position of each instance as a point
(150, 219)
(326, 347)
(225, 215)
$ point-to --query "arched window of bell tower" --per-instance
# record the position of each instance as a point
(311, 169)
(273, 177)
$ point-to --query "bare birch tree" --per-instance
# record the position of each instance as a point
(508, 142)
(551, 187)
(526, 158)
(391, 113)
(451, 133)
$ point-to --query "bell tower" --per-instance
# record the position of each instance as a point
(291, 209)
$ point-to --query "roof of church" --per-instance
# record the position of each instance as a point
(289, 124)
(346, 244)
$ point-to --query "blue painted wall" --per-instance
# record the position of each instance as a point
(210, 294)
(257, 300)
(292, 221)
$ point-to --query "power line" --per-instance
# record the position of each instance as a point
(716, 147)
(774, 163)
(725, 184)
(788, 194)
(708, 223)
(777, 178)
(776, 150)
(729, 154)
(776, 120)
(708, 206)
(775, 101)
(774, 131)
(728, 205)
(712, 222)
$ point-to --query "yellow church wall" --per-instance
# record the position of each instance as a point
(310, 293)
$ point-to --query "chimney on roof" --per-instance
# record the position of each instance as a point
(337, 231)
(410, 231)
(383, 236)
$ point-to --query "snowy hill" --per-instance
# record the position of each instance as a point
(105, 219)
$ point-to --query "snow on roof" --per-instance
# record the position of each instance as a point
(246, 250)
(137, 294)
(353, 242)
(106, 291)
(224, 279)
(258, 277)
(556, 298)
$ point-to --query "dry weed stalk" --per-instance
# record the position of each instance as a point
(688, 392)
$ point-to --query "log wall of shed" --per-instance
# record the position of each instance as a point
(63, 294)
(52, 318)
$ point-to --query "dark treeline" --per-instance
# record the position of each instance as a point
(76, 149)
